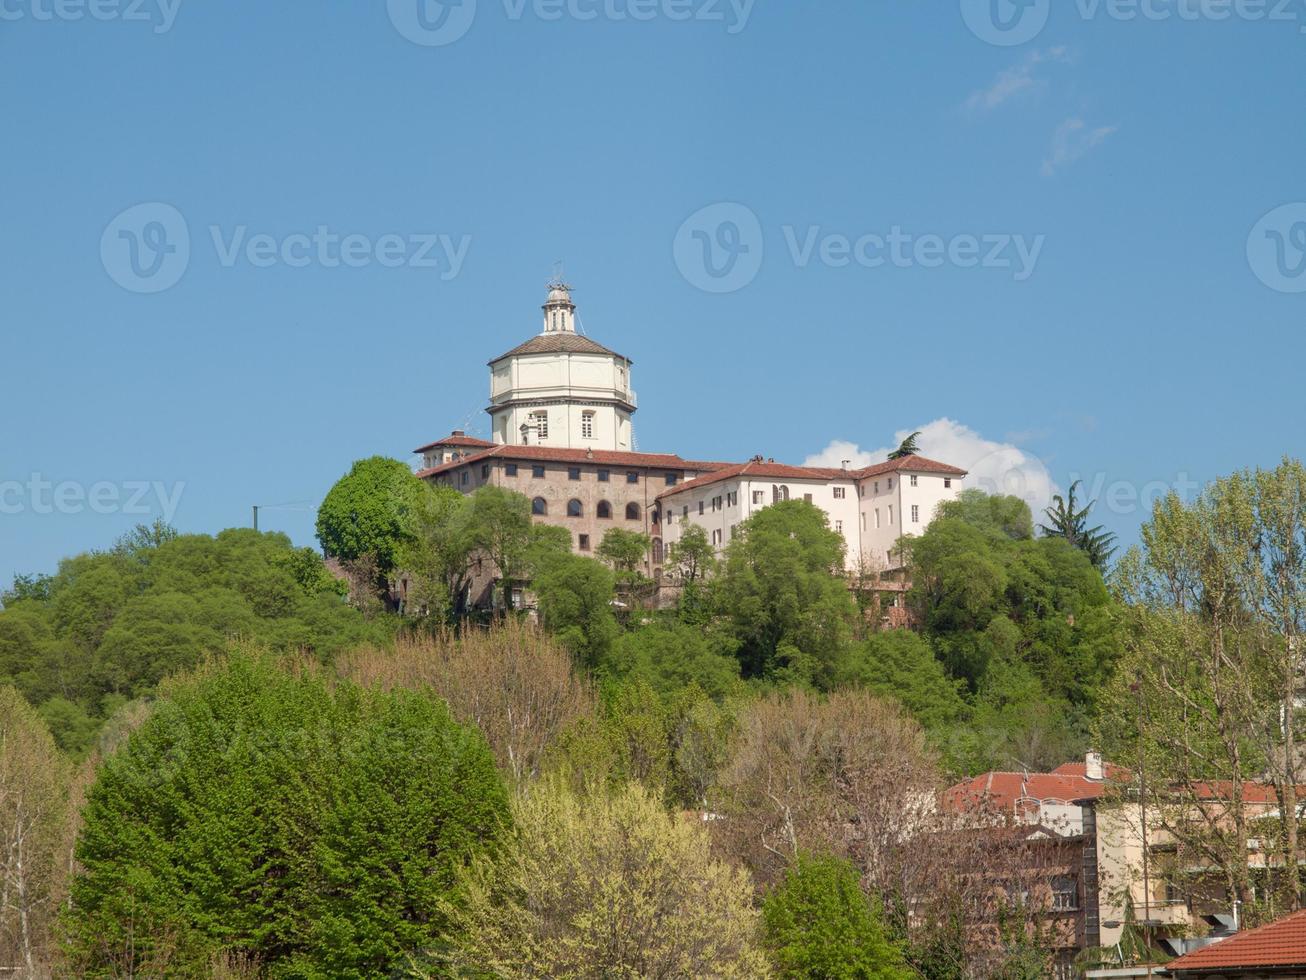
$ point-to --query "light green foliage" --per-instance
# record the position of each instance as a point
(604, 885)
(998, 513)
(625, 552)
(820, 924)
(368, 513)
(312, 826)
(575, 596)
(499, 525)
(34, 809)
(781, 593)
(901, 664)
(112, 624)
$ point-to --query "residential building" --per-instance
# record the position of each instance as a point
(1275, 950)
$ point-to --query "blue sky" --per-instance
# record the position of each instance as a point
(1144, 345)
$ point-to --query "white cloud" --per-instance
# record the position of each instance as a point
(1014, 80)
(994, 467)
(1071, 141)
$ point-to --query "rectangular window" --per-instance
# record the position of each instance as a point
(584, 542)
(759, 496)
(863, 520)
(509, 469)
(685, 511)
(838, 526)
(541, 420)
(877, 518)
(891, 515)
(807, 497)
(839, 493)
(587, 425)
(464, 480)
(632, 477)
(890, 483)
(700, 507)
(915, 514)
(537, 472)
(573, 473)
(947, 483)
(716, 537)
(604, 476)
(913, 480)
(877, 486)
(672, 479)
(485, 471)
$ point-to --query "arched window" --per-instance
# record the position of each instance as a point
(605, 510)
(657, 551)
(539, 507)
(779, 493)
(632, 512)
(575, 508)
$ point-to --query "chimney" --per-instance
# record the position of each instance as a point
(459, 432)
(1093, 768)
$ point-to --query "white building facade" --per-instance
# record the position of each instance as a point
(561, 389)
(872, 508)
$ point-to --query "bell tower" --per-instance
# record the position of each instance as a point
(559, 310)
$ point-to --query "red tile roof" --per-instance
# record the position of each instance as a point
(763, 471)
(550, 454)
(560, 343)
(461, 441)
(909, 464)
(1006, 790)
(781, 471)
(1279, 944)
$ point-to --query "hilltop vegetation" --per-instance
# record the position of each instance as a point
(263, 778)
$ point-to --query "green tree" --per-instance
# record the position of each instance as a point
(265, 813)
(625, 552)
(369, 514)
(575, 597)
(990, 512)
(901, 664)
(820, 924)
(1067, 520)
(783, 596)
(671, 656)
(499, 525)
(907, 448)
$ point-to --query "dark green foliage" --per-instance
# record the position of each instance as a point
(112, 624)
(1070, 524)
(907, 448)
(575, 596)
(314, 827)
(1028, 626)
(369, 512)
(901, 664)
(670, 656)
(783, 597)
(820, 924)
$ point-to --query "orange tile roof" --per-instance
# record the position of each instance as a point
(1279, 944)
(456, 440)
(551, 454)
(770, 470)
(1009, 789)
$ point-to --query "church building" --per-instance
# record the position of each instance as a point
(561, 408)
